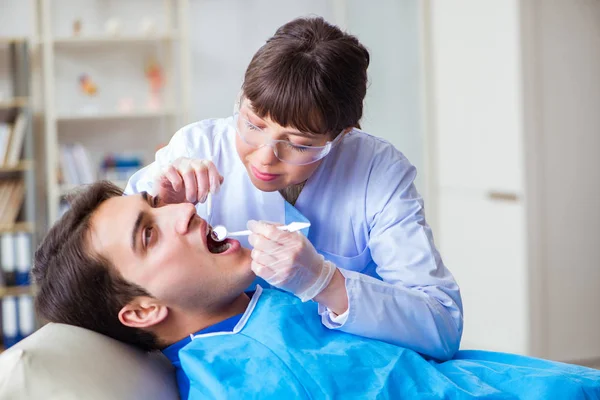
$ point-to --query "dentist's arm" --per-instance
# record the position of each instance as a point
(417, 304)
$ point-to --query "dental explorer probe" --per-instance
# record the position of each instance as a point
(219, 232)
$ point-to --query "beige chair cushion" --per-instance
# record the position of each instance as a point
(65, 362)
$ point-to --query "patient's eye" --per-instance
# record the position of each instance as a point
(148, 234)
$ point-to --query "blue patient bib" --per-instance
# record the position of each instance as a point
(280, 350)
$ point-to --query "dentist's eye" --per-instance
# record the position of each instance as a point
(148, 233)
(251, 126)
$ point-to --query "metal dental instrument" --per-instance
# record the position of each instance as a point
(219, 232)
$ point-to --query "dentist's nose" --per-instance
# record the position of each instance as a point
(265, 155)
(179, 215)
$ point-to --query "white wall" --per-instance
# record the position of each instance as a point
(393, 107)
(224, 36)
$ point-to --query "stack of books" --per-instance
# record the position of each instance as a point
(12, 194)
(76, 165)
(18, 319)
(11, 141)
(12, 191)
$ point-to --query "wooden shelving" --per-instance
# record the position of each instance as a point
(14, 102)
(110, 40)
(23, 165)
(16, 290)
(26, 227)
(12, 39)
(115, 115)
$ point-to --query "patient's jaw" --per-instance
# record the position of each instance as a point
(164, 250)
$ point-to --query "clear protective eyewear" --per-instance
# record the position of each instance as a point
(284, 150)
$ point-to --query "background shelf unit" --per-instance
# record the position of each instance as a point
(17, 53)
(100, 40)
(115, 62)
(116, 115)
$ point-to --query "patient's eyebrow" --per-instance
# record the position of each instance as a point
(138, 222)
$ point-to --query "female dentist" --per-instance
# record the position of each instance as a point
(293, 151)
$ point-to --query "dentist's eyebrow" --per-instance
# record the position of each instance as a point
(138, 221)
(293, 133)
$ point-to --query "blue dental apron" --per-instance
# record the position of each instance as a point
(278, 349)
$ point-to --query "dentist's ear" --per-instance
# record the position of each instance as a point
(143, 312)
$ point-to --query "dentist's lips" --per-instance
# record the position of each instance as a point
(263, 176)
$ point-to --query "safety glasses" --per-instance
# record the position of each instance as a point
(284, 150)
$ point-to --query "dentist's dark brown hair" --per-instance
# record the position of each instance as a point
(311, 76)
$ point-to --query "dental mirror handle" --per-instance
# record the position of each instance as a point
(293, 227)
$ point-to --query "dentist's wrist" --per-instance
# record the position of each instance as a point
(334, 296)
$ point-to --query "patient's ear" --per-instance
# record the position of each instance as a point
(143, 312)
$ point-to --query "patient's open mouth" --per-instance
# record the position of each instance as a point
(216, 247)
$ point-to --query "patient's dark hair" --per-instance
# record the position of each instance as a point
(311, 76)
(76, 286)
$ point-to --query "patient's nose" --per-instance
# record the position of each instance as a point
(178, 215)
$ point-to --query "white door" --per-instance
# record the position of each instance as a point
(482, 243)
(475, 93)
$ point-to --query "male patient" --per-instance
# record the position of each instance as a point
(149, 276)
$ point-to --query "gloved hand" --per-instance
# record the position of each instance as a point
(287, 260)
(188, 180)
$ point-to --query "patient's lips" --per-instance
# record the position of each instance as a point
(225, 247)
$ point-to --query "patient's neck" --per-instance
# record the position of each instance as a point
(181, 323)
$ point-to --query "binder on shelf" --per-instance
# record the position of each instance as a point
(67, 165)
(76, 165)
(4, 141)
(15, 146)
(26, 316)
(7, 258)
(10, 324)
(85, 171)
(23, 258)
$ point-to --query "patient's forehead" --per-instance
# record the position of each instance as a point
(111, 226)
